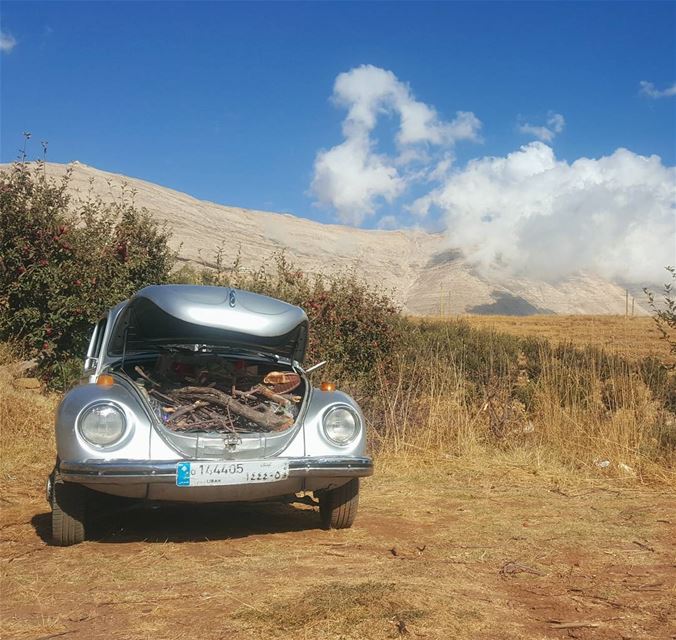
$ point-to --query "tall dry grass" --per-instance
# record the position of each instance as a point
(424, 404)
(26, 429)
(459, 391)
(454, 391)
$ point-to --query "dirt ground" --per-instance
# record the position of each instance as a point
(437, 551)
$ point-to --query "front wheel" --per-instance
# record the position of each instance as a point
(338, 507)
(69, 502)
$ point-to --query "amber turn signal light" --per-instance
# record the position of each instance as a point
(105, 380)
(327, 386)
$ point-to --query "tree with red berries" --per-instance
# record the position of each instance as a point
(64, 261)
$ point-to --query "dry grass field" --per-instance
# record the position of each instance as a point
(635, 337)
(453, 540)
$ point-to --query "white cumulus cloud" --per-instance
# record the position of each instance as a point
(353, 177)
(350, 177)
(530, 213)
(546, 133)
(526, 213)
(7, 42)
(650, 90)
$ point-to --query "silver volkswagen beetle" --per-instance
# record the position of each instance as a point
(198, 394)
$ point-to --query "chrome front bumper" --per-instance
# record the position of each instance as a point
(143, 472)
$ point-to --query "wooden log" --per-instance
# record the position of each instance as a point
(182, 411)
(291, 398)
(162, 396)
(269, 394)
(266, 419)
(244, 394)
(146, 377)
(280, 398)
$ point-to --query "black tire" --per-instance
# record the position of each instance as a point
(338, 507)
(69, 510)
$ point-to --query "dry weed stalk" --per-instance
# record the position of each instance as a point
(585, 411)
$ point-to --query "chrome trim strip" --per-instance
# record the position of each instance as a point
(142, 472)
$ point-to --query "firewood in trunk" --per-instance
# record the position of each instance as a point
(146, 377)
(291, 398)
(262, 390)
(244, 394)
(268, 419)
(189, 408)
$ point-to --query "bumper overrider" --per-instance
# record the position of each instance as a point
(141, 472)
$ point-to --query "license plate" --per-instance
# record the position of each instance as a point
(207, 474)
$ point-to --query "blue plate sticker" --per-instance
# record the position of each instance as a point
(183, 474)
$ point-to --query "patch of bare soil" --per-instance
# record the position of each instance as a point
(435, 553)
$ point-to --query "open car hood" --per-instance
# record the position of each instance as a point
(162, 315)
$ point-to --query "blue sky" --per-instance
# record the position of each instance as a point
(232, 102)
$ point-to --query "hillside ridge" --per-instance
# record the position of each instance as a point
(422, 271)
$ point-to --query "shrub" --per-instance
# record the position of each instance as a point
(352, 326)
(665, 314)
(63, 262)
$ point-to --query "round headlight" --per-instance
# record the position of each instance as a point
(341, 425)
(102, 425)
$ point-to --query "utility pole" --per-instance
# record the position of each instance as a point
(626, 303)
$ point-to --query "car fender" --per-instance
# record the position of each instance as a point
(316, 442)
(71, 445)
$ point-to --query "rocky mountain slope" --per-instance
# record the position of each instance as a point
(424, 273)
